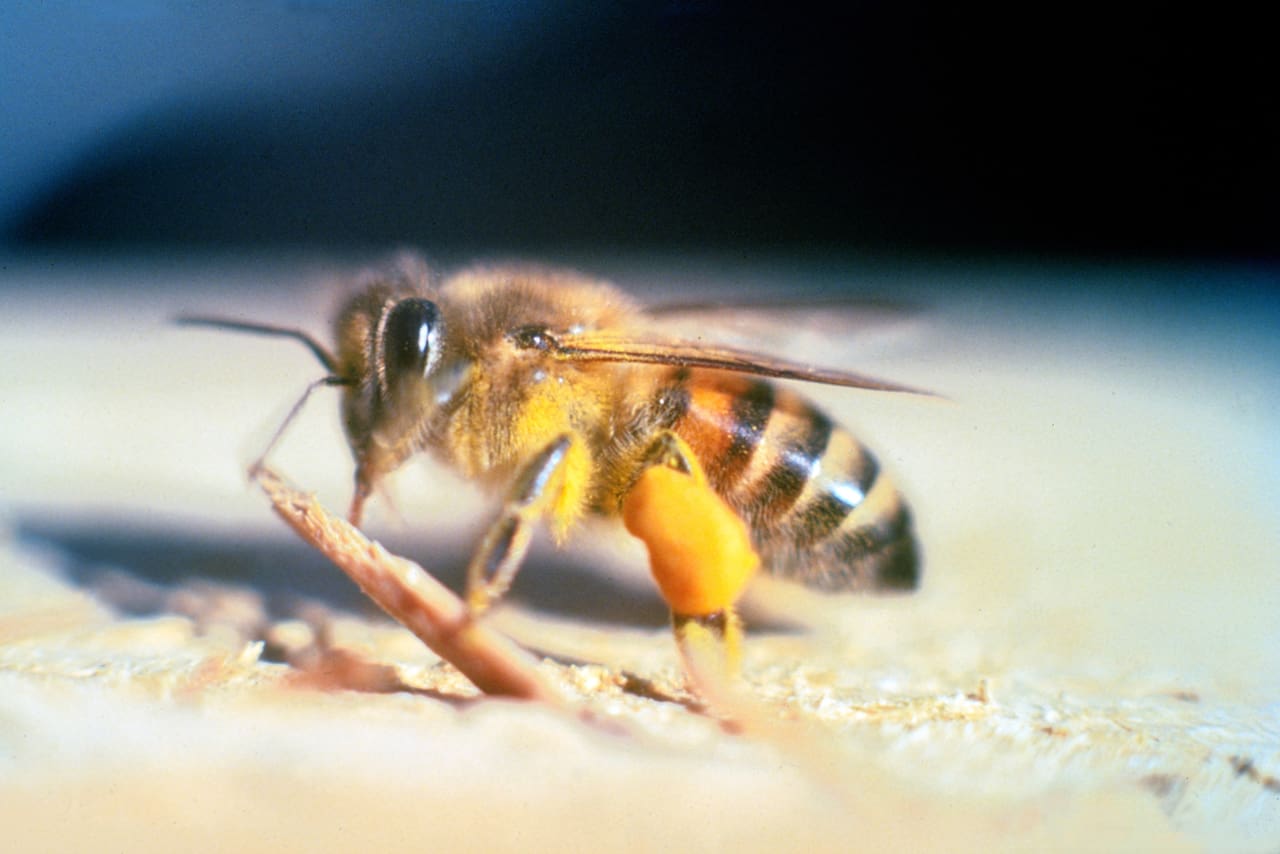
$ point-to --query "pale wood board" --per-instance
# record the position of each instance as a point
(1093, 661)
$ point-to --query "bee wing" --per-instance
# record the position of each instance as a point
(859, 311)
(853, 326)
(613, 347)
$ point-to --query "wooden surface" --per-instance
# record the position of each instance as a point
(1093, 661)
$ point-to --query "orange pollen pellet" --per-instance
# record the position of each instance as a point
(700, 550)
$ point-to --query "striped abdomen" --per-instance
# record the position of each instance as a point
(820, 509)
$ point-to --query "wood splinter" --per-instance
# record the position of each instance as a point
(411, 596)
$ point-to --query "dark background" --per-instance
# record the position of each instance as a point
(917, 129)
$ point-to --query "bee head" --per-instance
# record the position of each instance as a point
(390, 344)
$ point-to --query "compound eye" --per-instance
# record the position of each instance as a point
(410, 340)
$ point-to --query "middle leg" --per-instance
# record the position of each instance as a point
(534, 493)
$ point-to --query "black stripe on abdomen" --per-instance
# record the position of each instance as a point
(778, 489)
(835, 497)
(877, 554)
(748, 418)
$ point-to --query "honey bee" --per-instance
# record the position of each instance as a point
(569, 400)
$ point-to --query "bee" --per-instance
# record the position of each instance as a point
(569, 400)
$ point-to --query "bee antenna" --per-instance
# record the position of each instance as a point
(256, 468)
(317, 349)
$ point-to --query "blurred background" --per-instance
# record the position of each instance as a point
(904, 128)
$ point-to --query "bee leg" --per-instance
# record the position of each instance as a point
(713, 640)
(536, 488)
(700, 551)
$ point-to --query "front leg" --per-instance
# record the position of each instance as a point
(536, 491)
(700, 550)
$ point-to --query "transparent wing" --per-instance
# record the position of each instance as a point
(850, 329)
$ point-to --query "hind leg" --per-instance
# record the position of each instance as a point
(700, 551)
